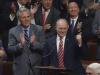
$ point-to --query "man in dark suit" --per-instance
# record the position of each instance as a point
(77, 24)
(25, 43)
(66, 56)
(46, 16)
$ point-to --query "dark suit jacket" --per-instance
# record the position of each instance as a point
(24, 59)
(85, 33)
(71, 54)
(85, 29)
(51, 18)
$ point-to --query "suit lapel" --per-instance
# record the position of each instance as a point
(38, 16)
(55, 51)
(49, 19)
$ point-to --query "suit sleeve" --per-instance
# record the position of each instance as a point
(40, 39)
(13, 44)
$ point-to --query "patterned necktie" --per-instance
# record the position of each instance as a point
(61, 54)
(27, 40)
(26, 35)
(72, 25)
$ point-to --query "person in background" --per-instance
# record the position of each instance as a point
(93, 69)
(63, 8)
(33, 9)
(46, 16)
(26, 43)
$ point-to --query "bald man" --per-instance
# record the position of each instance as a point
(66, 54)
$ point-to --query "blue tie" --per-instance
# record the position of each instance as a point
(26, 35)
(72, 25)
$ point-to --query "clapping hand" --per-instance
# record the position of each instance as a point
(21, 39)
(79, 39)
(32, 38)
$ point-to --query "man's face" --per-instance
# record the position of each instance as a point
(73, 9)
(47, 4)
(25, 19)
(62, 28)
(23, 2)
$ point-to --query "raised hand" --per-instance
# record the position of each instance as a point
(79, 26)
(21, 39)
(79, 39)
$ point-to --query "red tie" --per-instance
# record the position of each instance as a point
(61, 54)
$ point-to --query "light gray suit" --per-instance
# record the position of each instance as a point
(95, 27)
(27, 57)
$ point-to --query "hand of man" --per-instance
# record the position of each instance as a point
(33, 9)
(2, 53)
(22, 39)
(32, 38)
(79, 39)
(47, 26)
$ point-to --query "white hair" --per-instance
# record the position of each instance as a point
(95, 67)
(23, 9)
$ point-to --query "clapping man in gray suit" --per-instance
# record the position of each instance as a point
(25, 43)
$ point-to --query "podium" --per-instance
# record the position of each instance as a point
(51, 70)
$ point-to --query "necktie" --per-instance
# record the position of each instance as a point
(27, 40)
(26, 35)
(61, 54)
(43, 17)
(72, 25)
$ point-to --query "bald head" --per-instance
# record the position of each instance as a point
(93, 68)
(62, 27)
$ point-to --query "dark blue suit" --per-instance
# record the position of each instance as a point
(71, 54)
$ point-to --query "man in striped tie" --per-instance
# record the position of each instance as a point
(62, 50)
(26, 43)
